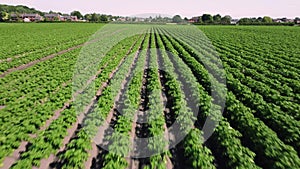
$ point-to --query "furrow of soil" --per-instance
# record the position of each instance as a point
(177, 151)
(177, 159)
(9, 161)
(113, 116)
(141, 125)
(7, 59)
(2, 107)
(134, 163)
(166, 111)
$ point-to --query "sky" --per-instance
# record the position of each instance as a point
(185, 8)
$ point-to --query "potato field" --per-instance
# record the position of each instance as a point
(61, 82)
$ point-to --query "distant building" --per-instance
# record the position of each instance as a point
(26, 20)
(32, 17)
(290, 20)
(26, 17)
(194, 20)
(283, 20)
(121, 19)
(191, 21)
(140, 20)
(14, 17)
(48, 17)
(69, 18)
(53, 17)
(234, 21)
(277, 20)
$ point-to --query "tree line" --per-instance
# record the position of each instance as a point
(211, 19)
(7, 10)
(205, 19)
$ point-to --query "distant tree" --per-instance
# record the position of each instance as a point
(267, 19)
(103, 18)
(88, 17)
(259, 19)
(247, 21)
(167, 19)
(177, 19)
(185, 19)
(19, 9)
(159, 18)
(200, 19)
(217, 18)
(1, 16)
(76, 13)
(253, 20)
(4, 16)
(115, 17)
(207, 18)
(109, 17)
(226, 19)
(94, 17)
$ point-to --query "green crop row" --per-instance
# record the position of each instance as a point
(75, 155)
(226, 139)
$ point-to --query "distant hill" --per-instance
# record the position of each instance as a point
(18, 9)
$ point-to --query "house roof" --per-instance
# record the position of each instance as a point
(69, 17)
(52, 15)
(30, 15)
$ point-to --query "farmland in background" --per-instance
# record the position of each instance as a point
(41, 128)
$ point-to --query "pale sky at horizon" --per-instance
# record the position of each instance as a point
(188, 8)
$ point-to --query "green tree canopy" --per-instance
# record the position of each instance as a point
(207, 18)
(267, 19)
(245, 21)
(4, 16)
(77, 13)
(19, 9)
(103, 18)
(88, 17)
(226, 19)
(217, 18)
(94, 17)
(177, 19)
(259, 19)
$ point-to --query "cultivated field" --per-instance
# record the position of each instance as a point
(60, 83)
